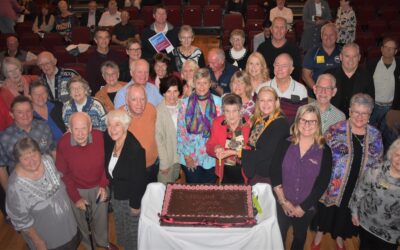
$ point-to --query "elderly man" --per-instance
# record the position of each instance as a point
(124, 30)
(143, 126)
(292, 94)
(220, 71)
(103, 53)
(24, 126)
(350, 78)
(92, 17)
(282, 11)
(27, 58)
(277, 45)
(160, 25)
(80, 159)
(385, 74)
(264, 35)
(323, 57)
(112, 16)
(325, 89)
(55, 78)
(140, 75)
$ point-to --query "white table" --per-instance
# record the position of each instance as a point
(265, 235)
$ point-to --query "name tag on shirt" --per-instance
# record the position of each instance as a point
(320, 59)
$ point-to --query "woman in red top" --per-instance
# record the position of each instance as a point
(229, 135)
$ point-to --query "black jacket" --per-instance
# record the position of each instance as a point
(84, 18)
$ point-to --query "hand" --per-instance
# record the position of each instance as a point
(219, 151)
(355, 220)
(81, 204)
(219, 90)
(135, 212)
(298, 212)
(165, 171)
(40, 245)
(190, 163)
(288, 208)
(103, 194)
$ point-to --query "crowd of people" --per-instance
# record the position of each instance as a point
(315, 129)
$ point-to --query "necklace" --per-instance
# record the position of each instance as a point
(361, 141)
(117, 150)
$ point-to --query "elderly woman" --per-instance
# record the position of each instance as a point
(241, 86)
(229, 135)
(81, 101)
(189, 68)
(134, 51)
(46, 110)
(15, 83)
(346, 23)
(194, 128)
(375, 205)
(258, 71)
(126, 171)
(65, 21)
(187, 51)
(300, 174)
(356, 146)
(44, 22)
(315, 14)
(37, 201)
(237, 54)
(269, 128)
(166, 125)
(107, 93)
(161, 68)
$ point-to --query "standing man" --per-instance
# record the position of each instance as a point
(103, 53)
(350, 78)
(220, 71)
(323, 57)
(270, 49)
(80, 159)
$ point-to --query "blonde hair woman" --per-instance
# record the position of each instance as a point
(241, 86)
(258, 70)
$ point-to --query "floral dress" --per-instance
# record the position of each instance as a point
(346, 25)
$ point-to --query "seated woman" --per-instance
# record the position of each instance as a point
(44, 22)
(237, 54)
(241, 86)
(126, 171)
(15, 83)
(166, 124)
(189, 69)
(107, 93)
(65, 21)
(258, 71)
(269, 128)
(300, 174)
(46, 110)
(374, 203)
(81, 101)
(37, 200)
(187, 51)
(356, 146)
(194, 128)
(229, 135)
(160, 69)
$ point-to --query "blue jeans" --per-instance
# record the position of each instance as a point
(200, 175)
(7, 25)
(378, 115)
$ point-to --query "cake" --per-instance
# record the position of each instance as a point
(207, 205)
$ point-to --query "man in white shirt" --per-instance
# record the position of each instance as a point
(282, 11)
(112, 16)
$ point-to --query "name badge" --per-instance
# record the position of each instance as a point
(320, 59)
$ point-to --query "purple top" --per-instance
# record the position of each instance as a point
(299, 174)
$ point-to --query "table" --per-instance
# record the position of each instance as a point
(265, 235)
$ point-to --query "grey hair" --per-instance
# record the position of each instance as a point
(86, 115)
(392, 149)
(202, 73)
(81, 80)
(109, 64)
(363, 100)
(10, 61)
(329, 77)
(329, 25)
(119, 116)
(24, 144)
(351, 45)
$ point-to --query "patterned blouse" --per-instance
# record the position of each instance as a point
(376, 202)
(346, 25)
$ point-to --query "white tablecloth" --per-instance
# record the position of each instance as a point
(265, 235)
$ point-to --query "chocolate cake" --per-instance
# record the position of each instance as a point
(207, 205)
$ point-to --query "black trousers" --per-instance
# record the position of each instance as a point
(369, 241)
(152, 172)
(300, 226)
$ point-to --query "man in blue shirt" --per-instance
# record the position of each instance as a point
(220, 71)
(321, 58)
(140, 74)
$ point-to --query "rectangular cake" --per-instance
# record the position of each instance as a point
(207, 205)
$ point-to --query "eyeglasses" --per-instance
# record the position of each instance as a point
(308, 122)
(323, 89)
(360, 114)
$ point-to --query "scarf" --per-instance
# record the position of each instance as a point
(196, 122)
(259, 126)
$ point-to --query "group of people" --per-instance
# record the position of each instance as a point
(74, 145)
